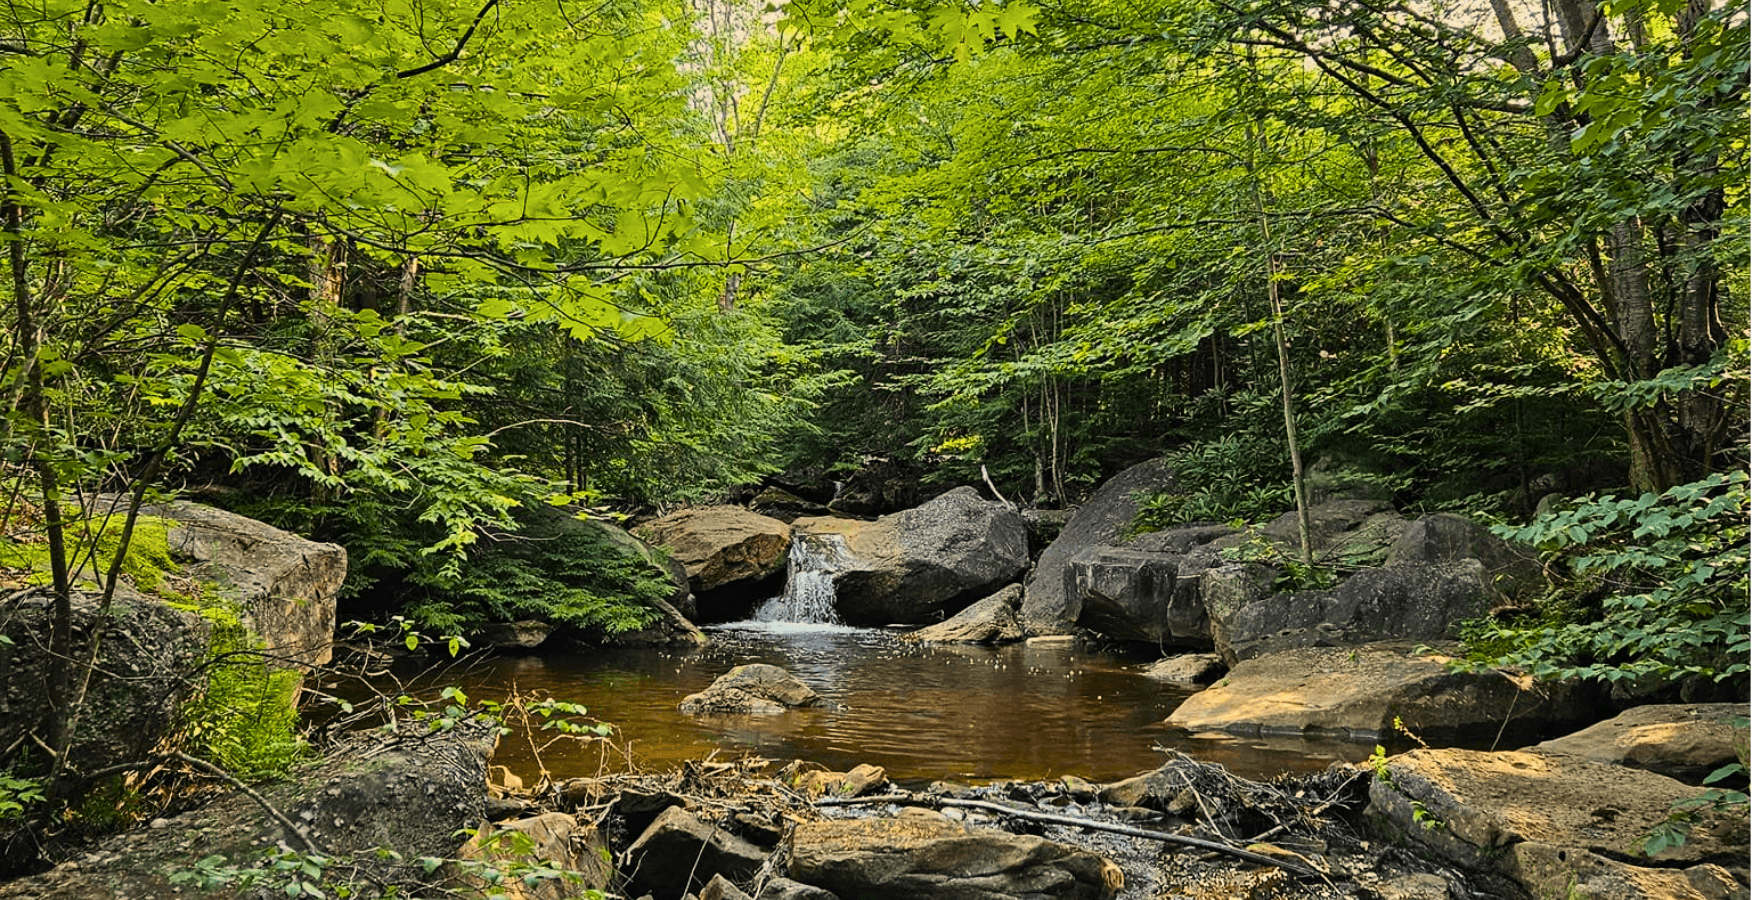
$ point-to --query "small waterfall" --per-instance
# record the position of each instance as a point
(809, 597)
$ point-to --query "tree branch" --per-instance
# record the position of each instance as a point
(456, 51)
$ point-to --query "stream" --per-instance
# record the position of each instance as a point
(955, 712)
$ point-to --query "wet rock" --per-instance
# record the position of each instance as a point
(1128, 590)
(1546, 821)
(1048, 608)
(1415, 602)
(527, 634)
(1358, 693)
(553, 839)
(757, 688)
(1686, 741)
(286, 584)
(1189, 668)
(930, 857)
(146, 668)
(912, 566)
(1550, 871)
(993, 620)
(732, 555)
(679, 853)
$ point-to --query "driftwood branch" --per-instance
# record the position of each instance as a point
(1299, 869)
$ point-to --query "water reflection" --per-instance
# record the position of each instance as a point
(922, 712)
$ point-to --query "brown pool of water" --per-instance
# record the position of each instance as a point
(961, 713)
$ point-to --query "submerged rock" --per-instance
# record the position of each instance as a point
(1189, 668)
(757, 688)
(928, 857)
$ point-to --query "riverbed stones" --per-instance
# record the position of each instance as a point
(286, 584)
(146, 669)
(678, 853)
(1048, 607)
(1359, 693)
(929, 857)
(1548, 821)
(912, 567)
(753, 689)
(991, 620)
(1686, 741)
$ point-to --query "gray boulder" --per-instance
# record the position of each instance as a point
(1359, 693)
(1129, 590)
(145, 670)
(911, 566)
(526, 634)
(1048, 607)
(678, 854)
(929, 857)
(787, 889)
(286, 584)
(1554, 825)
(1447, 538)
(754, 689)
(1417, 602)
(992, 620)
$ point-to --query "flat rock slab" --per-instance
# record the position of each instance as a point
(929, 857)
(1497, 811)
(1358, 693)
(1686, 741)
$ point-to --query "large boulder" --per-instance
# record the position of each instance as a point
(992, 620)
(929, 857)
(1442, 538)
(1425, 602)
(1128, 590)
(678, 853)
(1359, 694)
(286, 584)
(733, 556)
(410, 793)
(1686, 741)
(757, 688)
(149, 654)
(1556, 825)
(1048, 607)
(912, 566)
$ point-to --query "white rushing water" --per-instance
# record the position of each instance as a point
(809, 598)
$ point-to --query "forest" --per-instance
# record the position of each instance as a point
(395, 275)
